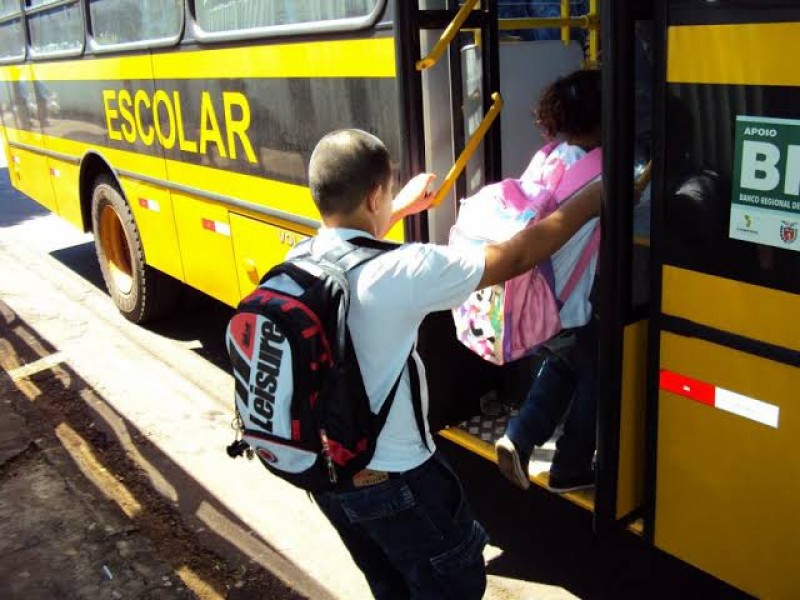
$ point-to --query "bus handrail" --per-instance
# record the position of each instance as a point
(587, 21)
(447, 36)
(469, 149)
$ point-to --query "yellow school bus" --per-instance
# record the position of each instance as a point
(179, 133)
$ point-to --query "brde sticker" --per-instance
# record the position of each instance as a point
(765, 207)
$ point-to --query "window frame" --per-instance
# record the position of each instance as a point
(8, 60)
(43, 8)
(294, 29)
(168, 42)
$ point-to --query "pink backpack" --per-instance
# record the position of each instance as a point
(505, 322)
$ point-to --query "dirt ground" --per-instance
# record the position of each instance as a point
(78, 517)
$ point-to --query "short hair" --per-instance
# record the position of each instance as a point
(570, 105)
(345, 166)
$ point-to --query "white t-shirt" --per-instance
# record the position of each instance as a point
(389, 297)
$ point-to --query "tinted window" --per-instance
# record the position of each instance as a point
(8, 7)
(56, 31)
(126, 21)
(12, 42)
(231, 15)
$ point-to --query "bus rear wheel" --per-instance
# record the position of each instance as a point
(140, 292)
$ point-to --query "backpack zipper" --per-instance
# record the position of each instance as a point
(326, 452)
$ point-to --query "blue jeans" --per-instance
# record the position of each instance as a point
(565, 382)
(413, 536)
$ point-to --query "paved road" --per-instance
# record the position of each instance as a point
(163, 394)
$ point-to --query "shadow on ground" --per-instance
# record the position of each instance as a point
(63, 409)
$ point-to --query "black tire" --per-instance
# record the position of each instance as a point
(140, 292)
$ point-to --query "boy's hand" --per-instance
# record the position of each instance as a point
(414, 197)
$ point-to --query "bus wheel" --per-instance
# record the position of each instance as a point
(140, 292)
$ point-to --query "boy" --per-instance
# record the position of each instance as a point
(406, 522)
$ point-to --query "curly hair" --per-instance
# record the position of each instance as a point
(570, 105)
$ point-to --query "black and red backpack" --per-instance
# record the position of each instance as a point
(300, 400)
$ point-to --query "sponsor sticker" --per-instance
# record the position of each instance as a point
(765, 205)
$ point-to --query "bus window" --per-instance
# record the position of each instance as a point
(12, 40)
(115, 22)
(8, 7)
(55, 31)
(223, 15)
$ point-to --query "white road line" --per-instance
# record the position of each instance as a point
(37, 366)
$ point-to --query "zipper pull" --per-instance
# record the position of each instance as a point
(326, 452)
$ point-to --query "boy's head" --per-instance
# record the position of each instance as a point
(347, 167)
(570, 106)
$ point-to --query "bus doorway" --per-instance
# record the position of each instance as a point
(471, 77)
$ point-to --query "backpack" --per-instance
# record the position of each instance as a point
(505, 322)
(300, 400)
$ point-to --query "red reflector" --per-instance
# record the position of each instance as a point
(687, 387)
(295, 429)
(143, 202)
(208, 224)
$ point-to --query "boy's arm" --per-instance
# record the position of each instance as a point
(532, 245)
(413, 198)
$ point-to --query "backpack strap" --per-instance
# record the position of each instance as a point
(365, 250)
(357, 251)
(583, 263)
(581, 174)
(416, 399)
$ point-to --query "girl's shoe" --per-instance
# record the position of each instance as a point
(510, 463)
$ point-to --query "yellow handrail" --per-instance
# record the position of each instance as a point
(469, 149)
(565, 15)
(447, 36)
(594, 40)
(581, 21)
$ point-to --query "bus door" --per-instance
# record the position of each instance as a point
(724, 415)
(623, 285)
(493, 65)
(432, 92)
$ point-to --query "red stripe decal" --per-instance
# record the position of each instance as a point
(687, 387)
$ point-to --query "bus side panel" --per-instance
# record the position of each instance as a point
(205, 241)
(257, 247)
(153, 210)
(65, 178)
(630, 486)
(28, 169)
(727, 484)
(747, 310)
